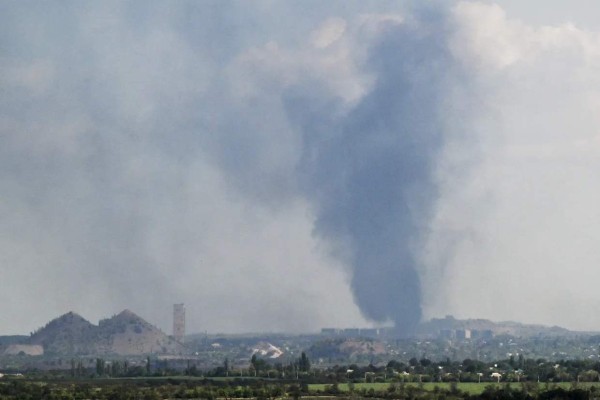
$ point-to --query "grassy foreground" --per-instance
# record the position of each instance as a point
(467, 387)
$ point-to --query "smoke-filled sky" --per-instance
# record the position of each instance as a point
(286, 166)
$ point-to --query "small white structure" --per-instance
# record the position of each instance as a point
(496, 375)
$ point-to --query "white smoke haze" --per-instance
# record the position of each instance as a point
(284, 167)
(528, 209)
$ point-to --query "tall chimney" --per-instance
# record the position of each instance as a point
(179, 322)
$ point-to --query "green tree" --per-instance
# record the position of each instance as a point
(304, 363)
(258, 364)
(254, 363)
(100, 366)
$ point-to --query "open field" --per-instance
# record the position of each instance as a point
(178, 387)
(467, 387)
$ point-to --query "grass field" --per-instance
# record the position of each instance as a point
(468, 387)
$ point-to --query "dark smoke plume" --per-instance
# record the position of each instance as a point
(370, 171)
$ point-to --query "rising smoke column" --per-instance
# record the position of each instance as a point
(370, 171)
(159, 146)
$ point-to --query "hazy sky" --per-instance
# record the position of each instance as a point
(287, 166)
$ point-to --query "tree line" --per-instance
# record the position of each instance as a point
(512, 369)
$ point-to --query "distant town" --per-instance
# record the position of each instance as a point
(444, 357)
(128, 336)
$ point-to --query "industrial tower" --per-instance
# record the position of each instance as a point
(179, 322)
